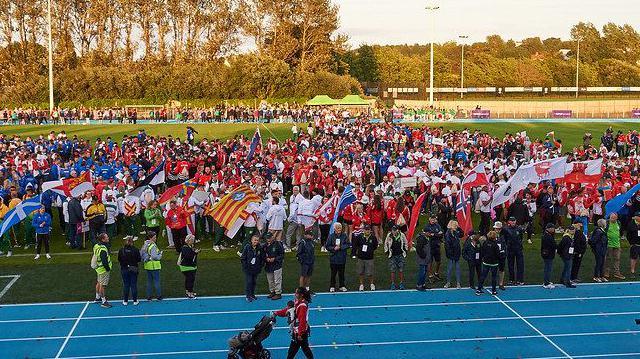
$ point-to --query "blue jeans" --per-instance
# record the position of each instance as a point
(450, 266)
(129, 284)
(566, 270)
(422, 275)
(75, 241)
(494, 275)
(548, 265)
(153, 279)
(250, 284)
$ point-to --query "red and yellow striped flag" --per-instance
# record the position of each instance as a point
(232, 207)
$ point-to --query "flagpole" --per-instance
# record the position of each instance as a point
(271, 133)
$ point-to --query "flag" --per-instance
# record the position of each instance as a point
(463, 211)
(185, 189)
(154, 178)
(326, 211)
(70, 187)
(233, 209)
(617, 203)
(475, 178)
(415, 214)
(584, 172)
(531, 173)
(19, 213)
(255, 142)
(347, 198)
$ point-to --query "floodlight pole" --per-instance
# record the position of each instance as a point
(577, 67)
(50, 60)
(462, 37)
(432, 9)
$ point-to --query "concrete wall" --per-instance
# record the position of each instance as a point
(539, 109)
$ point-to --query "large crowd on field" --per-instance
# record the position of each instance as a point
(297, 176)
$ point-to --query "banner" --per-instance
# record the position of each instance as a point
(415, 215)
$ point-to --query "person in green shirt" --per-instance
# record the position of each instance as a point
(153, 217)
(613, 251)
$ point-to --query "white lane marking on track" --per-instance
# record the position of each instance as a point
(340, 294)
(534, 328)
(328, 326)
(14, 279)
(366, 344)
(64, 344)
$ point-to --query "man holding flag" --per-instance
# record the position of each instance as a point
(475, 178)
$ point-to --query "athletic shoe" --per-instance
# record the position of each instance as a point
(48, 256)
(287, 250)
(332, 289)
(36, 257)
(159, 298)
(478, 292)
(361, 288)
(106, 305)
(420, 288)
(135, 239)
(135, 302)
(271, 295)
(494, 293)
(529, 241)
(276, 297)
(216, 248)
(393, 286)
(9, 253)
(458, 286)
(548, 286)
(447, 285)
(239, 254)
(502, 287)
(570, 285)
(604, 279)
(98, 300)
(373, 286)
(619, 276)
(68, 244)
(323, 250)
(343, 289)
(125, 303)
(520, 283)
(254, 297)
(249, 299)
(401, 286)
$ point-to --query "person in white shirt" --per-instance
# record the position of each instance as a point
(293, 229)
(485, 210)
(275, 217)
(111, 206)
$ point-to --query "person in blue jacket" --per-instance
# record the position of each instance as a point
(306, 257)
(252, 259)
(42, 224)
(337, 245)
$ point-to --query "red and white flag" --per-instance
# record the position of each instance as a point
(70, 187)
(463, 211)
(475, 178)
(325, 213)
(584, 172)
(532, 173)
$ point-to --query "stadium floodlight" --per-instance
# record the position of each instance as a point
(462, 38)
(432, 10)
(50, 60)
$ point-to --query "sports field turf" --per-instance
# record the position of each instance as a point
(592, 321)
(69, 277)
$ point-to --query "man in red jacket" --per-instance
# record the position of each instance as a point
(176, 220)
(300, 329)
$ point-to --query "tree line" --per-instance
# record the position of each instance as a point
(608, 57)
(156, 50)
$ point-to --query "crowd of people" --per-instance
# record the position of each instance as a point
(297, 177)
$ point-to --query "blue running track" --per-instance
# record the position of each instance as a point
(592, 321)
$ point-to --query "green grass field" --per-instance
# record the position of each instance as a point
(68, 276)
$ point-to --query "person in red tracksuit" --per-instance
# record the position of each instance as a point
(177, 222)
(300, 329)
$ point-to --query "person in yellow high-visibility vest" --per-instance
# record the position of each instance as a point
(103, 268)
(151, 256)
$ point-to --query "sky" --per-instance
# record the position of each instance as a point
(391, 22)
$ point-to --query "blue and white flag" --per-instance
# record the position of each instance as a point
(347, 198)
(617, 203)
(257, 140)
(19, 213)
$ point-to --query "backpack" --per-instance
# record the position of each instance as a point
(94, 261)
(144, 253)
